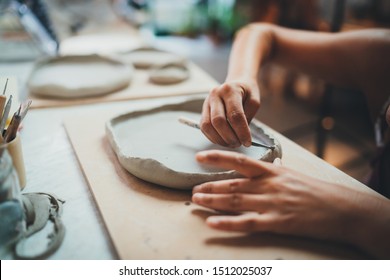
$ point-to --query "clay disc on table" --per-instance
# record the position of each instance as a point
(78, 76)
(155, 147)
(147, 57)
(171, 73)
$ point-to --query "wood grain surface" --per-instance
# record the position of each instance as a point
(147, 221)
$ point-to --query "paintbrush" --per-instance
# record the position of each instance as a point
(194, 124)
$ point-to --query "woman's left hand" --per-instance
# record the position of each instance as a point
(277, 199)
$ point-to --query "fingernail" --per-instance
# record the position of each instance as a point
(197, 197)
(201, 156)
(247, 143)
(213, 220)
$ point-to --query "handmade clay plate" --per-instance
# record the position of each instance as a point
(170, 73)
(154, 146)
(148, 57)
(78, 76)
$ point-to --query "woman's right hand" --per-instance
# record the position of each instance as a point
(227, 112)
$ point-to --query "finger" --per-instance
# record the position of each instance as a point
(232, 202)
(251, 105)
(237, 119)
(251, 222)
(220, 123)
(230, 160)
(207, 128)
(241, 185)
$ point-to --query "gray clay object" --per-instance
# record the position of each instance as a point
(171, 73)
(149, 57)
(154, 146)
(78, 76)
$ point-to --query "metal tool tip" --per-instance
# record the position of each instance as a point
(5, 87)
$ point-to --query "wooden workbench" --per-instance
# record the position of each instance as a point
(147, 221)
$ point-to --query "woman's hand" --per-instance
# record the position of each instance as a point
(279, 200)
(227, 112)
(283, 200)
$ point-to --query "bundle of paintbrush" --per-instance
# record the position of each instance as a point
(7, 135)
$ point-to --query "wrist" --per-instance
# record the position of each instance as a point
(247, 83)
(371, 228)
(246, 87)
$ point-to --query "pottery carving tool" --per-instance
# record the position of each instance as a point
(194, 124)
(4, 118)
(17, 118)
(12, 129)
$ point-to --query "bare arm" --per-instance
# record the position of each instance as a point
(358, 59)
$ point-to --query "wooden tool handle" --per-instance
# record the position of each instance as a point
(3, 99)
(12, 129)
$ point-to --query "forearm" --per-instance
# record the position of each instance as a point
(307, 52)
(251, 48)
(356, 60)
(313, 53)
(371, 232)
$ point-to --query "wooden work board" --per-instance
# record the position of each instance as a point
(146, 221)
(139, 88)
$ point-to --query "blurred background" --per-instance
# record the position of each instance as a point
(331, 122)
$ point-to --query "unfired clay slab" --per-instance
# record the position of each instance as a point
(171, 73)
(78, 76)
(148, 57)
(155, 147)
